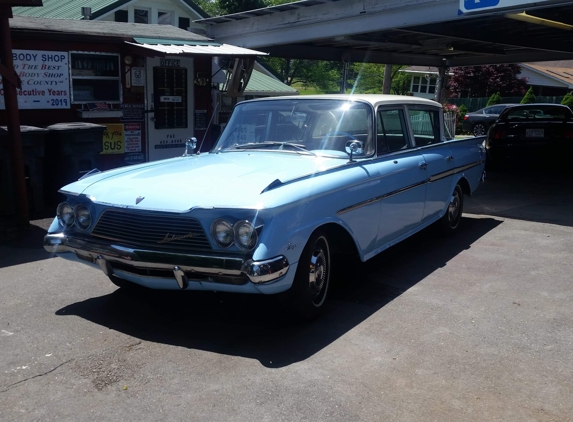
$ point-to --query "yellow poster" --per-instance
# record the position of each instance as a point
(113, 139)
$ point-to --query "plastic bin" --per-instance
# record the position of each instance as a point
(33, 149)
(72, 149)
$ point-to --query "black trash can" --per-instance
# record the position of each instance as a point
(72, 150)
(33, 149)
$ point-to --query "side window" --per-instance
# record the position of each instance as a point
(497, 110)
(392, 134)
(425, 126)
(488, 110)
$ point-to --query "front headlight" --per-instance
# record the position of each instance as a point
(245, 235)
(65, 214)
(222, 232)
(83, 217)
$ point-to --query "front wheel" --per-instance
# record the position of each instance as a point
(451, 219)
(306, 297)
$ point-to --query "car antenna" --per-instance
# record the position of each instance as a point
(207, 130)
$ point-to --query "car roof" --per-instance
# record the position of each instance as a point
(374, 99)
(540, 104)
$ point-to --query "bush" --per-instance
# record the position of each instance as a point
(494, 99)
(568, 100)
(529, 97)
(462, 111)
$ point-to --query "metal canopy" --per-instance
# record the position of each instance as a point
(410, 32)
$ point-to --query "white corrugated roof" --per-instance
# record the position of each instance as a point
(212, 50)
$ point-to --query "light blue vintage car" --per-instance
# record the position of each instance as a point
(291, 181)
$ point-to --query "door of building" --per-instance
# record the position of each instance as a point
(170, 105)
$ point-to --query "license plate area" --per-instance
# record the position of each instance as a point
(534, 133)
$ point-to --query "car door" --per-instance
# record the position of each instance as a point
(402, 176)
(438, 160)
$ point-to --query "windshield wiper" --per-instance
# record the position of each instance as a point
(281, 145)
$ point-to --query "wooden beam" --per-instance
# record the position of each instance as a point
(13, 121)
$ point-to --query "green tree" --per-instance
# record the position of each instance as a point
(369, 78)
(494, 99)
(320, 74)
(568, 100)
(462, 111)
(225, 7)
(529, 96)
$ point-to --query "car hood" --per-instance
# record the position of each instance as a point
(225, 180)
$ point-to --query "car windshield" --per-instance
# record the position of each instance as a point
(301, 126)
(537, 112)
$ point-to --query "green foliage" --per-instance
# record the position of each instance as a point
(309, 73)
(529, 97)
(225, 7)
(494, 99)
(462, 111)
(568, 100)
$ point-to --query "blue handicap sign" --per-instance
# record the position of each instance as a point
(479, 4)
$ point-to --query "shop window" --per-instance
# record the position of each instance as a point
(184, 23)
(95, 78)
(121, 16)
(141, 16)
(164, 18)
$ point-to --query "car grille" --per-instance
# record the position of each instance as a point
(157, 231)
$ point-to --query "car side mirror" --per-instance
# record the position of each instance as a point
(354, 147)
(190, 144)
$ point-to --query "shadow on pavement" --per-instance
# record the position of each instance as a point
(22, 246)
(526, 193)
(255, 327)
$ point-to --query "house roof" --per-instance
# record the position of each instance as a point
(71, 9)
(561, 71)
(261, 84)
(120, 30)
(561, 74)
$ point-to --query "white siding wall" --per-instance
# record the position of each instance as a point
(535, 78)
(155, 6)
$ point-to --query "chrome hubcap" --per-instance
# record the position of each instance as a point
(454, 208)
(318, 273)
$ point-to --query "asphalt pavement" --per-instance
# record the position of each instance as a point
(475, 327)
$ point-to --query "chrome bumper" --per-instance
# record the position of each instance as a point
(183, 266)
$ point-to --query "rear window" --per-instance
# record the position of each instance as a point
(537, 112)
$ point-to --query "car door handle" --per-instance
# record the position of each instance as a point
(423, 165)
(450, 158)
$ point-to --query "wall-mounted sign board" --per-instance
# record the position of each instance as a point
(469, 6)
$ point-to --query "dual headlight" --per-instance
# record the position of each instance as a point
(242, 233)
(78, 215)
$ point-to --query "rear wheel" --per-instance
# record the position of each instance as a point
(479, 129)
(306, 297)
(451, 219)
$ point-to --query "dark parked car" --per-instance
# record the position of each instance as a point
(478, 122)
(531, 131)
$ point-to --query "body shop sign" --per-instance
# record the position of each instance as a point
(45, 79)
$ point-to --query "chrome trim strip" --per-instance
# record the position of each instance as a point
(431, 179)
(442, 175)
(95, 251)
(380, 198)
(453, 171)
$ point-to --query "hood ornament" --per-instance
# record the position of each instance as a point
(139, 199)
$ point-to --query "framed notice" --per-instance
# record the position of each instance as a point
(113, 139)
(132, 137)
(132, 112)
(45, 79)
